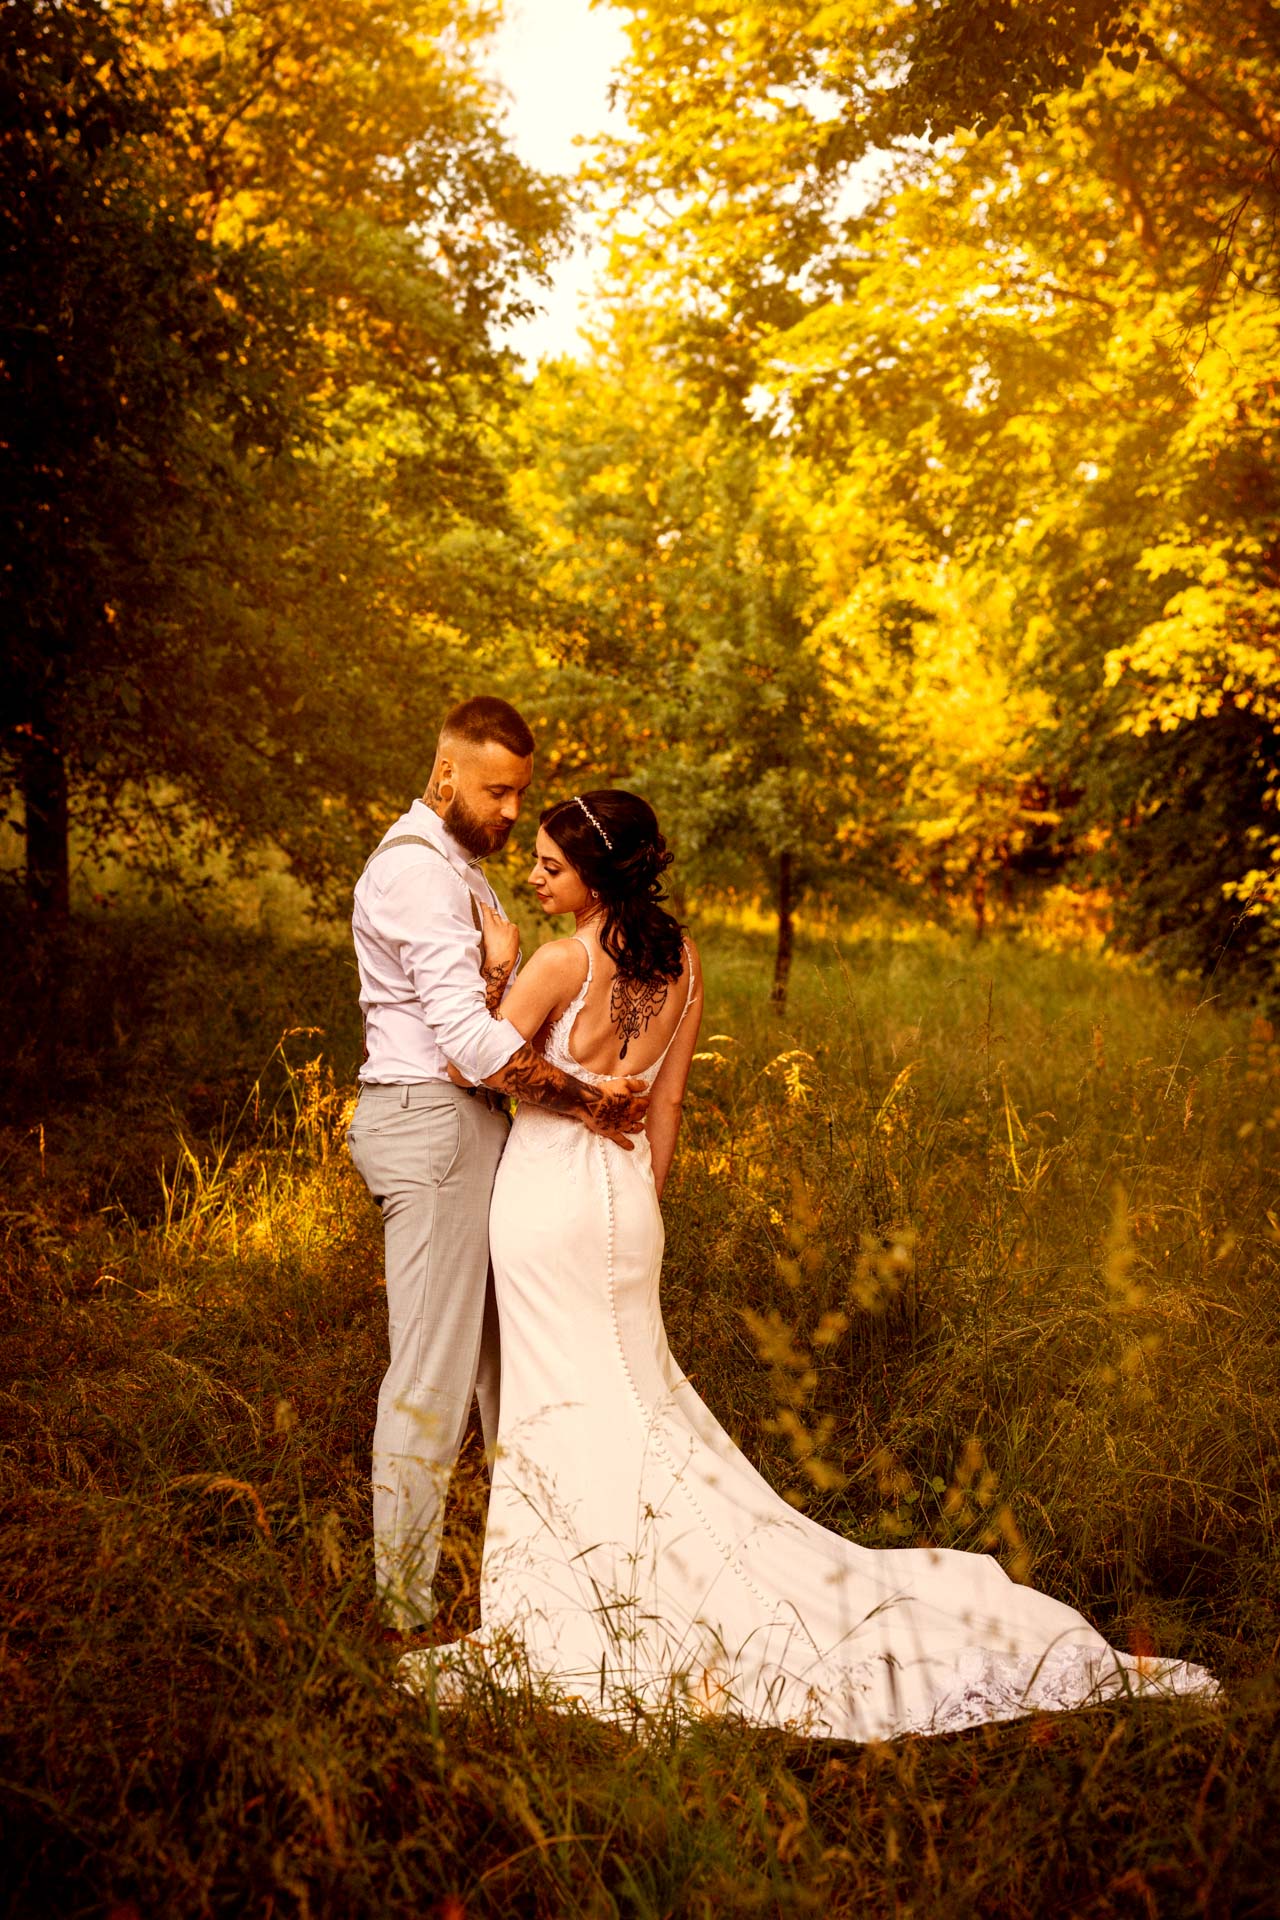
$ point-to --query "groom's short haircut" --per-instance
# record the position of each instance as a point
(486, 718)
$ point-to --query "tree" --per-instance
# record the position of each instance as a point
(686, 660)
(252, 265)
(113, 336)
(1046, 354)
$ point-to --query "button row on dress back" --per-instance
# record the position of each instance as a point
(730, 1557)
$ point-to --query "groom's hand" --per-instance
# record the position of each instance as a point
(619, 1109)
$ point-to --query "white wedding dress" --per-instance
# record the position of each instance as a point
(635, 1561)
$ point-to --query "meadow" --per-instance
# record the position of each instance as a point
(975, 1244)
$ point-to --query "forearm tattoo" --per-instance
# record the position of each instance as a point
(495, 980)
(529, 1077)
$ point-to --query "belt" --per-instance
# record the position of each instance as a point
(496, 1102)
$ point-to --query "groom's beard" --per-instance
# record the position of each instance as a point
(472, 834)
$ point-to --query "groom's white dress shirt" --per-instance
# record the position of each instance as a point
(418, 952)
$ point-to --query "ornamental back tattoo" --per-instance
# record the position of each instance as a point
(632, 1005)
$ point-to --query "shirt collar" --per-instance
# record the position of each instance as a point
(428, 823)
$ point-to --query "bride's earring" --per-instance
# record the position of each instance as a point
(595, 893)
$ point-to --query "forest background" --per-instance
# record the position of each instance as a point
(907, 532)
(926, 548)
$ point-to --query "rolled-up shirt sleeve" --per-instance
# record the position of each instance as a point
(426, 918)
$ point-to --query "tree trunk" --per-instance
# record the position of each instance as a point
(44, 791)
(782, 959)
(980, 896)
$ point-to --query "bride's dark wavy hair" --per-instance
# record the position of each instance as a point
(613, 843)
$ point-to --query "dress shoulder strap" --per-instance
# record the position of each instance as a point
(586, 948)
(688, 1002)
(688, 996)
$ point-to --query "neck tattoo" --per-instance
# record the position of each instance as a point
(632, 1005)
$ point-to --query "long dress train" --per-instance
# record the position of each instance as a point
(635, 1561)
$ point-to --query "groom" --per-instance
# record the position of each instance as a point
(427, 1148)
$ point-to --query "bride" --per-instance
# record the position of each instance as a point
(634, 1560)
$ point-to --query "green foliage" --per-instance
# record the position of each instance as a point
(912, 525)
(680, 594)
(1033, 375)
(744, 121)
(253, 265)
(976, 63)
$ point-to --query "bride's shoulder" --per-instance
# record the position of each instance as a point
(561, 961)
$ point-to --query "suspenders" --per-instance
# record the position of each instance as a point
(416, 840)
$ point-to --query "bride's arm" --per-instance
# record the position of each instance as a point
(666, 1101)
(546, 984)
(499, 952)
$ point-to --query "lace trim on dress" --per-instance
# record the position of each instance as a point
(646, 1412)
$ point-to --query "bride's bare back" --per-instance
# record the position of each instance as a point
(623, 1026)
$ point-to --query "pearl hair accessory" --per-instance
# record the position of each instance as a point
(578, 801)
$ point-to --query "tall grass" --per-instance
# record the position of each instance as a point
(976, 1246)
(1022, 1222)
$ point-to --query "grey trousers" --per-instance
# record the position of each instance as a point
(428, 1153)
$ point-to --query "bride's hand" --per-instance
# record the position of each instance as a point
(621, 1110)
(500, 943)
